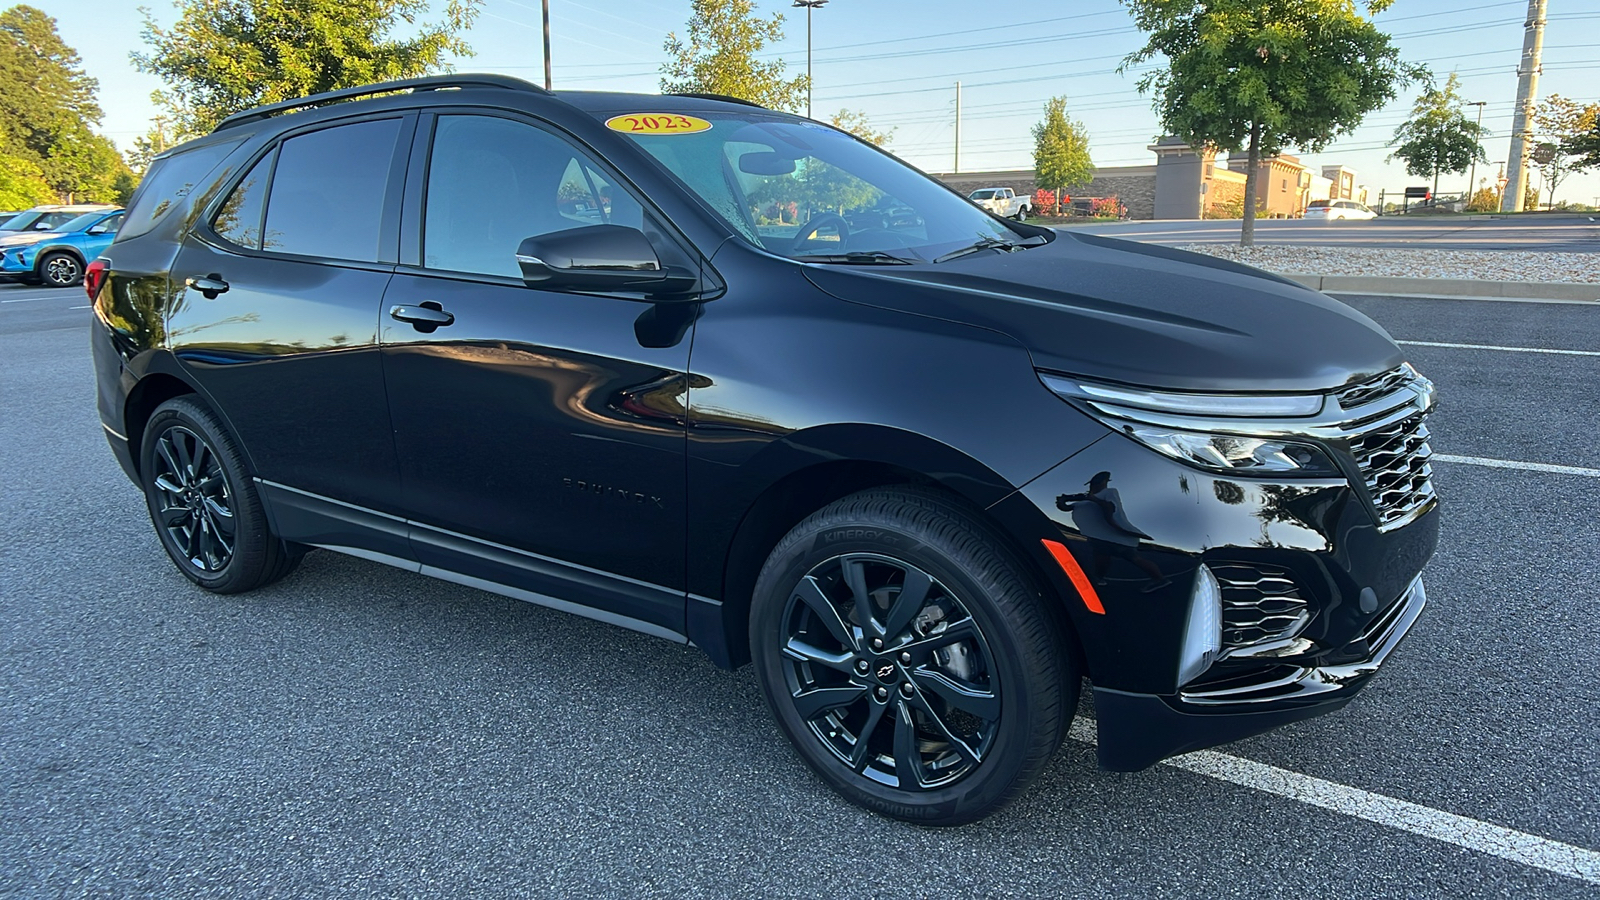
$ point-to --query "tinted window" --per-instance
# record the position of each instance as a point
(494, 182)
(239, 218)
(328, 189)
(111, 225)
(170, 180)
(78, 222)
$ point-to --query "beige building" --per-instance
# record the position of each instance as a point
(1188, 184)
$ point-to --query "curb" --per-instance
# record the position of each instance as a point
(1452, 288)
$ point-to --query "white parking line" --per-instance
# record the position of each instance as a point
(1513, 464)
(1506, 349)
(1469, 834)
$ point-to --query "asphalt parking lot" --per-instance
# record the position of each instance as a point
(356, 730)
(1545, 232)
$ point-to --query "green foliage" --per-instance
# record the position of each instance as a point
(1438, 137)
(1265, 74)
(720, 57)
(1564, 123)
(1585, 148)
(47, 110)
(856, 123)
(223, 56)
(1484, 200)
(1060, 149)
(123, 186)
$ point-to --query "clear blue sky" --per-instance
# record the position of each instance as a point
(898, 61)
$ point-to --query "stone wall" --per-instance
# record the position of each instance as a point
(1135, 186)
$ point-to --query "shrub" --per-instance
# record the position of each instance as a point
(1044, 202)
(1484, 200)
(1107, 208)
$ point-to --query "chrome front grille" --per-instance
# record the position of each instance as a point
(1388, 440)
(1260, 605)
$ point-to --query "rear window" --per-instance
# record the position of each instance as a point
(1319, 203)
(327, 191)
(168, 182)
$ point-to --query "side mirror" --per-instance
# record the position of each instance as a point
(603, 258)
(98, 229)
(42, 226)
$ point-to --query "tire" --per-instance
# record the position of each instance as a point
(204, 506)
(881, 724)
(1022, 214)
(60, 269)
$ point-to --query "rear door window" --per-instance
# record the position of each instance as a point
(238, 220)
(327, 191)
(168, 182)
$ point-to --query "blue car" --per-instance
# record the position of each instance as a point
(59, 257)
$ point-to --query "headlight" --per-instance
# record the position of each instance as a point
(1214, 432)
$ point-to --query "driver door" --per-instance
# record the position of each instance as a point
(541, 443)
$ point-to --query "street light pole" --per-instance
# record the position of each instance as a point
(809, 5)
(547, 45)
(1472, 180)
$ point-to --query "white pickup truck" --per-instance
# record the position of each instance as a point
(1002, 202)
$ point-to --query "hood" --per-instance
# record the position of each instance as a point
(25, 238)
(1137, 313)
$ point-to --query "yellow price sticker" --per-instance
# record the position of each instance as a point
(657, 123)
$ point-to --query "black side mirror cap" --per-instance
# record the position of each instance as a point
(604, 259)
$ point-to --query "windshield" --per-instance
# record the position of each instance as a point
(982, 195)
(807, 191)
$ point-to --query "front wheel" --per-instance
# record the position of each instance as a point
(60, 270)
(906, 656)
(1022, 214)
(204, 507)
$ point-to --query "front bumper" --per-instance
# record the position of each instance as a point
(1137, 731)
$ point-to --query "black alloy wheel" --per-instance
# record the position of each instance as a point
(60, 270)
(908, 659)
(196, 506)
(203, 504)
(889, 671)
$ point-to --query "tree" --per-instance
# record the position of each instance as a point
(1586, 148)
(1562, 123)
(223, 56)
(856, 123)
(1060, 150)
(720, 57)
(47, 111)
(22, 183)
(1265, 74)
(1438, 137)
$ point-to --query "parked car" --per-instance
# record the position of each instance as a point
(6, 217)
(925, 477)
(47, 218)
(58, 258)
(1333, 210)
(1003, 201)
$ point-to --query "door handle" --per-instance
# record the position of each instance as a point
(425, 316)
(209, 286)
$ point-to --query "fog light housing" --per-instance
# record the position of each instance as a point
(1202, 630)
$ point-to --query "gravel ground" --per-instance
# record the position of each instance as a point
(1498, 265)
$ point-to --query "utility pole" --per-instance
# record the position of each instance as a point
(809, 5)
(1472, 180)
(1527, 94)
(547, 45)
(958, 128)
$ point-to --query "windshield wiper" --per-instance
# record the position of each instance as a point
(991, 243)
(856, 258)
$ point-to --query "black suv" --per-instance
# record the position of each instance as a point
(732, 377)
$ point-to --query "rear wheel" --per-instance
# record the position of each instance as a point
(60, 270)
(1022, 214)
(203, 505)
(908, 659)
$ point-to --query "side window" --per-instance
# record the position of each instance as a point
(493, 183)
(111, 225)
(168, 181)
(327, 191)
(239, 218)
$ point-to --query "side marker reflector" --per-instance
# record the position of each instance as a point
(1075, 573)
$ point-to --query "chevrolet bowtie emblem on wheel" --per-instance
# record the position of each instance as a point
(885, 671)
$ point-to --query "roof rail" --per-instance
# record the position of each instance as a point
(723, 97)
(427, 83)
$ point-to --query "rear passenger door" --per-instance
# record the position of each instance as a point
(278, 322)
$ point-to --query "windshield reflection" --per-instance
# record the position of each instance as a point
(807, 191)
